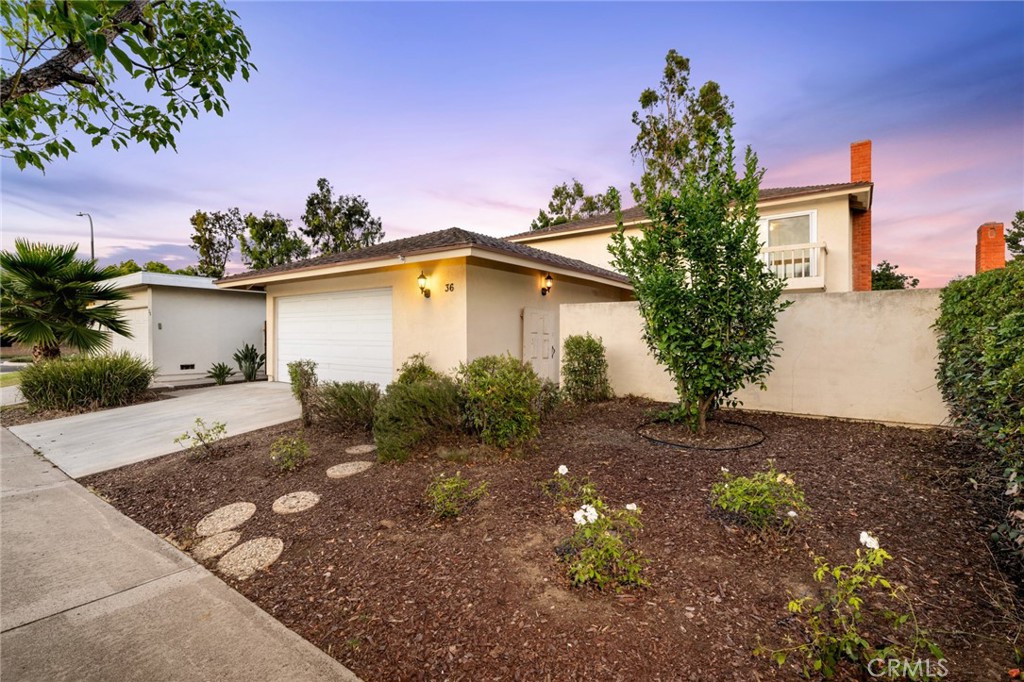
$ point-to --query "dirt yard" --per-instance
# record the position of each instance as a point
(371, 578)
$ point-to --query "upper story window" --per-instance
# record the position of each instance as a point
(790, 243)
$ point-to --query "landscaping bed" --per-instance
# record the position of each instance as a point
(369, 576)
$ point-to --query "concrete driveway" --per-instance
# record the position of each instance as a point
(89, 443)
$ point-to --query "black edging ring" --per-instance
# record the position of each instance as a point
(658, 441)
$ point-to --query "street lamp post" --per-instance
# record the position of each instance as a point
(92, 242)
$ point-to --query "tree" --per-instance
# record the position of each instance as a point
(884, 277)
(63, 62)
(1015, 236)
(268, 241)
(50, 298)
(342, 224)
(127, 267)
(570, 203)
(708, 300)
(213, 238)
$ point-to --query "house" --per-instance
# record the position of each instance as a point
(817, 237)
(185, 324)
(453, 294)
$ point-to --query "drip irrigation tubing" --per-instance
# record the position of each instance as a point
(681, 446)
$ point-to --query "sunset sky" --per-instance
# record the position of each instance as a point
(468, 113)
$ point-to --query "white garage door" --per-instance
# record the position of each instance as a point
(348, 334)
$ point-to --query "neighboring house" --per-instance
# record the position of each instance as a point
(185, 324)
(453, 294)
(817, 237)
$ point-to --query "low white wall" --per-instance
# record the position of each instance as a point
(863, 355)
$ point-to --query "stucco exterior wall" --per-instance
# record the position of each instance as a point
(197, 327)
(866, 355)
(136, 312)
(834, 227)
(436, 326)
(498, 295)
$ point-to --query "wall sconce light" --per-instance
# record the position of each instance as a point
(422, 281)
(547, 285)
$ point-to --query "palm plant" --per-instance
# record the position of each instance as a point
(50, 298)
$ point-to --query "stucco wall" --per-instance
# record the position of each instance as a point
(868, 355)
(498, 295)
(197, 327)
(436, 326)
(833, 228)
(136, 312)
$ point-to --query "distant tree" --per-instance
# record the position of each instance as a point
(213, 237)
(127, 267)
(708, 299)
(571, 202)
(342, 224)
(1015, 236)
(49, 298)
(885, 277)
(157, 266)
(57, 72)
(268, 241)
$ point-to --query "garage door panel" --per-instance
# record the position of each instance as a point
(348, 334)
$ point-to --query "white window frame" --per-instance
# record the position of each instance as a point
(812, 213)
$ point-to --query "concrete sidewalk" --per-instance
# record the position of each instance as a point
(97, 441)
(87, 594)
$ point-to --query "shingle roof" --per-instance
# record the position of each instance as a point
(636, 213)
(441, 240)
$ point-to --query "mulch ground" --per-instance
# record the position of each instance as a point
(372, 579)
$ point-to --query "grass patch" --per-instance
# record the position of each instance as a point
(10, 379)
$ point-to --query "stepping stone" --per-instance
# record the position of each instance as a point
(295, 502)
(348, 469)
(360, 449)
(249, 557)
(225, 518)
(215, 545)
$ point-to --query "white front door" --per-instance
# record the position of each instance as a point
(347, 333)
(540, 342)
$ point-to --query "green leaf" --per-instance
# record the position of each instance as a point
(97, 44)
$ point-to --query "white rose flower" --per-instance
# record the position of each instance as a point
(630, 507)
(868, 541)
(584, 515)
(563, 470)
(791, 514)
(724, 470)
(579, 517)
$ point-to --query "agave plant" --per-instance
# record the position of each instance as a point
(49, 298)
(220, 372)
(249, 361)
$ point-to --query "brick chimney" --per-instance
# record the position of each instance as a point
(860, 171)
(990, 251)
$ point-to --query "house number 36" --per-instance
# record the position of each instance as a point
(449, 287)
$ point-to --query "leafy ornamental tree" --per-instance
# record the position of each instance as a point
(129, 266)
(268, 241)
(708, 300)
(63, 61)
(213, 237)
(49, 298)
(884, 277)
(1015, 236)
(342, 224)
(570, 203)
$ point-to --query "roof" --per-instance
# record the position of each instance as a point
(636, 213)
(163, 279)
(433, 242)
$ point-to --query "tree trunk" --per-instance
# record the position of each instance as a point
(703, 407)
(45, 353)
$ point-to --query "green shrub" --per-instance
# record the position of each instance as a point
(585, 370)
(549, 398)
(448, 496)
(220, 372)
(766, 501)
(597, 552)
(861, 619)
(981, 377)
(303, 377)
(250, 361)
(84, 382)
(347, 405)
(500, 399)
(415, 415)
(289, 452)
(202, 442)
(567, 490)
(416, 369)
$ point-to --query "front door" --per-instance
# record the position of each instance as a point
(540, 342)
